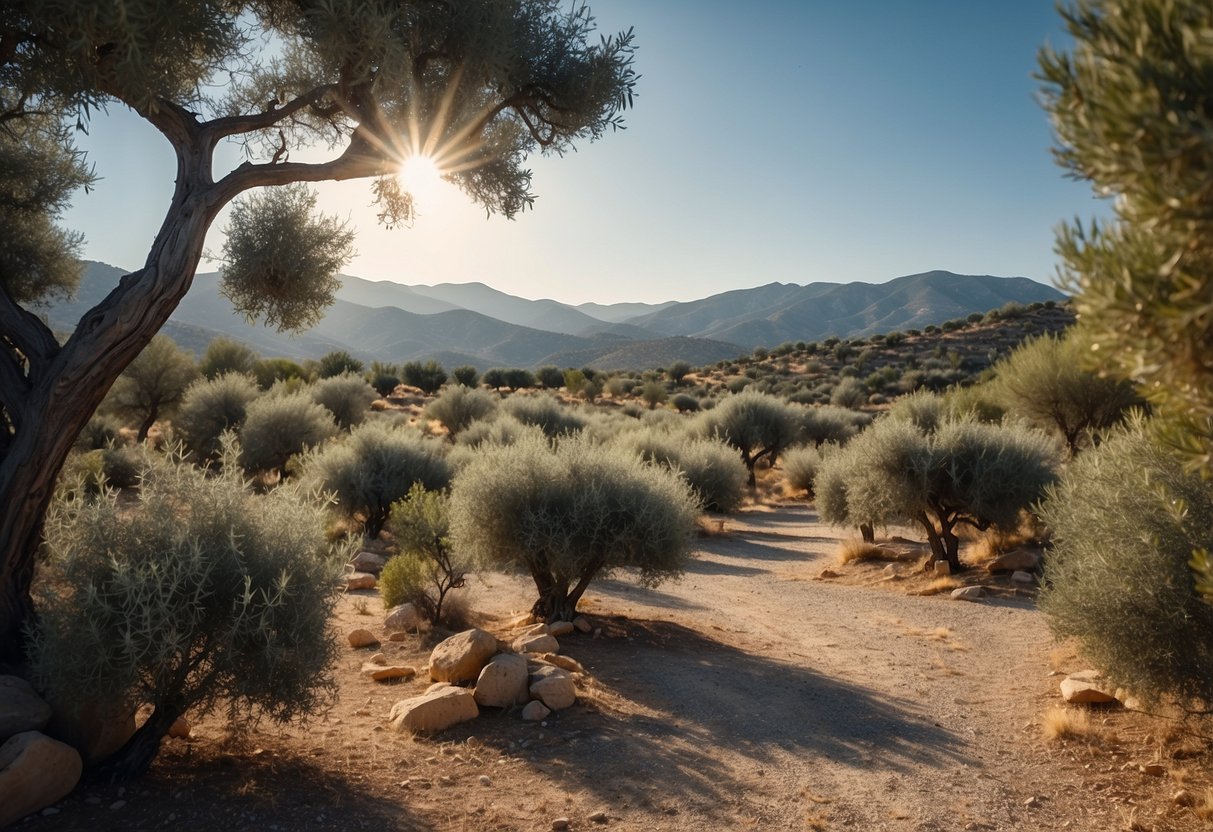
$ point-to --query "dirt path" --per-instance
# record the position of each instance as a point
(747, 695)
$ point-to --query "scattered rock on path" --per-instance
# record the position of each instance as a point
(360, 580)
(503, 682)
(368, 562)
(35, 772)
(1021, 577)
(560, 628)
(362, 638)
(537, 644)
(569, 664)
(582, 624)
(1087, 687)
(387, 672)
(826, 574)
(535, 711)
(461, 657)
(21, 709)
(403, 617)
(968, 593)
(1015, 560)
(435, 710)
(553, 686)
(560, 823)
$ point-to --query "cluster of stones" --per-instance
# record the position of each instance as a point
(471, 670)
(1090, 687)
(1022, 564)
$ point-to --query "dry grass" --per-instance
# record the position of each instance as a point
(939, 586)
(708, 525)
(856, 549)
(1067, 724)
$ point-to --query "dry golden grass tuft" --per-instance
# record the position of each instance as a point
(939, 585)
(856, 549)
(708, 525)
(1066, 724)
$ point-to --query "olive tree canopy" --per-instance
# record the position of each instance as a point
(477, 85)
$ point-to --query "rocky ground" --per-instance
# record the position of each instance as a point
(751, 694)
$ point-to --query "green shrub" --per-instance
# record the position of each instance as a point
(924, 409)
(467, 376)
(757, 425)
(270, 371)
(100, 432)
(800, 467)
(375, 466)
(827, 423)
(336, 363)
(1126, 519)
(427, 377)
(685, 403)
(545, 412)
(502, 430)
(569, 514)
(427, 568)
(712, 470)
(385, 383)
(653, 393)
(517, 378)
(347, 396)
(199, 597)
(849, 393)
(210, 407)
(678, 370)
(223, 355)
(458, 407)
(153, 384)
(550, 376)
(122, 466)
(277, 427)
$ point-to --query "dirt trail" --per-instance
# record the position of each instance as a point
(747, 695)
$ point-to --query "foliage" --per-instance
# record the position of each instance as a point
(100, 432)
(502, 430)
(373, 467)
(346, 396)
(517, 378)
(545, 412)
(223, 355)
(281, 258)
(923, 409)
(550, 376)
(757, 425)
(458, 407)
(384, 383)
(685, 403)
(1044, 382)
(428, 377)
(427, 568)
(1126, 519)
(270, 370)
(277, 427)
(849, 393)
(465, 375)
(338, 362)
(678, 370)
(828, 423)
(653, 393)
(210, 407)
(966, 472)
(568, 514)
(800, 466)
(153, 383)
(712, 470)
(122, 466)
(201, 596)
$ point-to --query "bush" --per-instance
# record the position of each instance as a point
(210, 407)
(122, 466)
(427, 568)
(348, 397)
(713, 471)
(1137, 614)
(545, 412)
(338, 362)
(467, 376)
(458, 407)
(757, 425)
(516, 379)
(569, 514)
(924, 410)
(550, 376)
(201, 596)
(427, 377)
(277, 427)
(152, 384)
(223, 355)
(685, 403)
(100, 432)
(849, 393)
(503, 430)
(678, 370)
(375, 466)
(270, 371)
(800, 467)
(827, 423)
(385, 383)
(653, 393)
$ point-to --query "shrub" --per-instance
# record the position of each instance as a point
(713, 471)
(685, 403)
(427, 377)
(924, 410)
(503, 430)
(201, 596)
(277, 427)
(336, 363)
(800, 468)
(574, 381)
(544, 412)
(348, 397)
(827, 423)
(757, 425)
(100, 432)
(210, 407)
(465, 375)
(849, 393)
(223, 355)
(122, 466)
(153, 383)
(427, 567)
(385, 383)
(375, 466)
(270, 371)
(494, 378)
(458, 407)
(550, 376)
(653, 393)
(568, 514)
(516, 379)
(1126, 519)
(678, 370)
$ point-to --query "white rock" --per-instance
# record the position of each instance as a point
(435, 710)
(21, 709)
(387, 672)
(553, 686)
(560, 628)
(564, 662)
(533, 630)
(360, 580)
(1087, 687)
(461, 657)
(180, 729)
(362, 638)
(968, 593)
(503, 682)
(536, 644)
(402, 618)
(535, 711)
(35, 772)
(582, 624)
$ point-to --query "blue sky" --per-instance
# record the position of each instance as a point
(770, 141)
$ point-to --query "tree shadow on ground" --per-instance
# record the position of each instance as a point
(709, 566)
(628, 590)
(670, 705)
(201, 786)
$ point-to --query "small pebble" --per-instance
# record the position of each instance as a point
(560, 823)
(485, 781)
(599, 817)
(117, 804)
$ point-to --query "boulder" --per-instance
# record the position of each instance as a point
(368, 562)
(35, 772)
(535, 711)
(435, 710)
(533, 630)
(536, 644)
(503, 682)
(93, 728)
(523, 620)
(553, 686)
(1021, 577)
(968, 593)
(402, 618)
(387, 672)
(180, 729)
(362, 638)
(360, 580)
(564, 662)
(461, 657)
(1015, 560)
(1087, 687)
(582, 624)
(21, 709)
(560, 628)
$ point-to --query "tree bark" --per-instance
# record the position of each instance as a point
(134, 759)
(867, 532)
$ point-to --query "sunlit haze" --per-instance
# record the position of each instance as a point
(775, 141)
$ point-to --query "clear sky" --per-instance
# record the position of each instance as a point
(818, 140)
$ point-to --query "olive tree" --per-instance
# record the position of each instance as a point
(758, 426)
(458, 406)
(223, 355)
(566, 515)
(478, 85)
(153, 384)
(964, 473)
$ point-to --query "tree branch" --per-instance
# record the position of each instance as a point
(232, 125)
(358, 161)
(27, 333)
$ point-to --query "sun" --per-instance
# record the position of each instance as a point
(421, 177)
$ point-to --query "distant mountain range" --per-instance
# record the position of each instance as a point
(471, 323)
